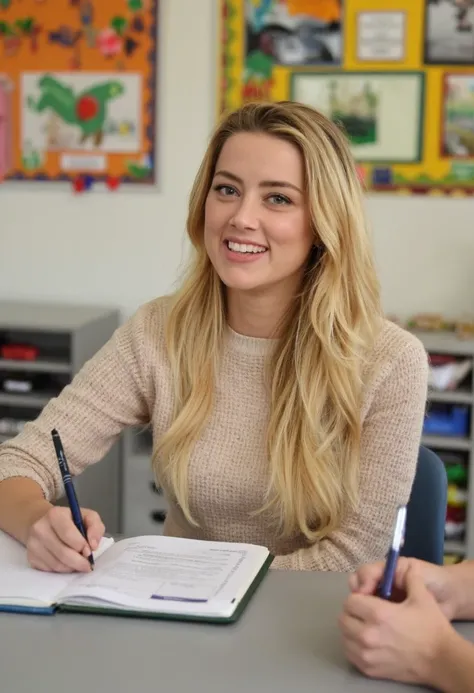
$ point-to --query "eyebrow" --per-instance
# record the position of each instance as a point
(262, 184)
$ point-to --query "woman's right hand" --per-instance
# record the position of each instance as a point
(439, 580)
(54, 544)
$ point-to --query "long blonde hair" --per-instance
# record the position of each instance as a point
(315, 382)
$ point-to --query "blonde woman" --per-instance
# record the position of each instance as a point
(285, 410)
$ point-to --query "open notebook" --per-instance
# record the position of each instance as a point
(152, 576)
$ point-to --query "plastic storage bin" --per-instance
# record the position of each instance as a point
(447, 420)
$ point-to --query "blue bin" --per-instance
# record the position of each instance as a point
(447, 420)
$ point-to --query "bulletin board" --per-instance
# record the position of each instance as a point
(78, 90)
(396, 75)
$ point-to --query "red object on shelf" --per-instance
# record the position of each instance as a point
(19, 352)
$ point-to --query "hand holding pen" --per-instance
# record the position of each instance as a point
(63, 538)
(395, 624)
(71, 492)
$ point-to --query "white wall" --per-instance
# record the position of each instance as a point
(125, 248)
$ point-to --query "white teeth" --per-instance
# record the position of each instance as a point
(245, 247)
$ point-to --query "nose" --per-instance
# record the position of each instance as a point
(245, 216)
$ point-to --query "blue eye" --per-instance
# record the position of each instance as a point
(280, 200)
(226, 190)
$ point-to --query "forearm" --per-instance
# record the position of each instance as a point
(337, 553)
(22, 502)
(453, 667)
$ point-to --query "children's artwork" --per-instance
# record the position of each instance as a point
(458, 117)
(293, 32)
(284, 32)
(6, 124)
(82, 75)
(84, 111)
(391, 74)
(449, 36)
(367, 106)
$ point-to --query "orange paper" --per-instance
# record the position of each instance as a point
(83, 74)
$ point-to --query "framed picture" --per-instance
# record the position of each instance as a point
(449, 32)
(381, 113)
(292, 33)
(457, 117)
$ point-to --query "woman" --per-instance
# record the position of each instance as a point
(285, 411)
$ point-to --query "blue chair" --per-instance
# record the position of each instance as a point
(426, 510)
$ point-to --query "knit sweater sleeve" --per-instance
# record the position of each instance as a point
(389, 449)
(110, 392)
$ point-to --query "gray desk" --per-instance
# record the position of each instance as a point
(287, 641)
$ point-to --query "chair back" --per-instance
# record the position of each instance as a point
(426, 510)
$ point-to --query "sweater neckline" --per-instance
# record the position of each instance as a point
(256, 346)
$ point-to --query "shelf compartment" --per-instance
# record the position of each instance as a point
(464, 396)
(40, 366)
(454, 546)
(26, 400)
(446, 442)
(49, 346)
(445, 343)
(447, 420)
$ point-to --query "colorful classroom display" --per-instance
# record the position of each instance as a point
(78, 91)
(397, 75)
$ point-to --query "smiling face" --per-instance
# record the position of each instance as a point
(257, 231)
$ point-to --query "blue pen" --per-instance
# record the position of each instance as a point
(69, 488)
(386, 585)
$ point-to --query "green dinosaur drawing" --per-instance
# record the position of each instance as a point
(87, 109)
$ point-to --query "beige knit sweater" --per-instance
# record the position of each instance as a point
(128, 382)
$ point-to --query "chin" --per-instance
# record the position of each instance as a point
(239, 281)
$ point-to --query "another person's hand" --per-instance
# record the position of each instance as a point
(54, 543)
(439, 580)
(399, 641)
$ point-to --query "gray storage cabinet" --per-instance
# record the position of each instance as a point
(65, 336)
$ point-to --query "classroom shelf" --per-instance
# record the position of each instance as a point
(451, 442)
(455, 547)
(35, 366)
(449, 344)
(66, 336)
(460, 396)
(31, 401)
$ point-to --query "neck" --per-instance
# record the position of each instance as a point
(256, 315)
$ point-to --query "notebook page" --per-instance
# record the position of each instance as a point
(20, 583)
(159, 571)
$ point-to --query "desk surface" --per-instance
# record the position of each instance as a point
(287, 640)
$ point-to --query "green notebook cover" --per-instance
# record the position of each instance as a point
(79, 608)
